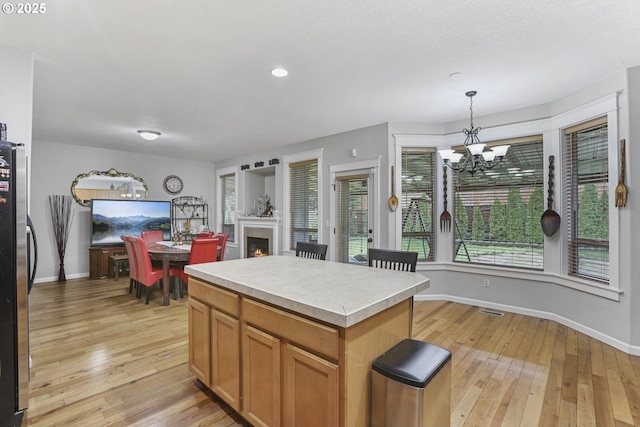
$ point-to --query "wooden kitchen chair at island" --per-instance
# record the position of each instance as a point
(311, 250)
(202, 250)
(148, 275)
(152, 236)
(393, 260)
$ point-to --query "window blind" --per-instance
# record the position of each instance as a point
(417, 202)
(228, 208)
(303, 187)
(497, 212)
(585, 191)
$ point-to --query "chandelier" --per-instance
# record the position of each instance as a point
(475, 157)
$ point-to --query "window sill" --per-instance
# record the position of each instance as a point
(569, 282)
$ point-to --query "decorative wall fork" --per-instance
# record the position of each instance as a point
(445, 216)
(621, 189)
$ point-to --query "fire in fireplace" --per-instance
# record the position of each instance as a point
(257, 246)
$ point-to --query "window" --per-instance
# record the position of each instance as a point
(497, 212)
(228, 204)
(417, 202)
(303, 189)
(586, 196)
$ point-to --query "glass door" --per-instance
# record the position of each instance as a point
(354, 217)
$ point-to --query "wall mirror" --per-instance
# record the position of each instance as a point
(109, 184)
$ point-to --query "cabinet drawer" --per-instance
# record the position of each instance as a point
(317, 337)
(214, 296)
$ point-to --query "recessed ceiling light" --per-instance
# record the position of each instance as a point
(149, 135)
(279, 72)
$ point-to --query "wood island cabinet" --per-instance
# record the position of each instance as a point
(278, 368)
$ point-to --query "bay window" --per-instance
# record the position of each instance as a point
(586, 183)
(417, 201)
(496, 213)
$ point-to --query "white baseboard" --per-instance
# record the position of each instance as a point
(614, 342)
(55, 278)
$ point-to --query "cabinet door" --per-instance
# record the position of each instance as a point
(99, 262)
(199, 340)
(225, 358)
(260, 377)
(310, 390)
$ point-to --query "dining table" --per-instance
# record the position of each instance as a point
(167, 251)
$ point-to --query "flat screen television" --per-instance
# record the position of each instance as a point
(110, 219)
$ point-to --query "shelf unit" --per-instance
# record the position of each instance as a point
(189, 214)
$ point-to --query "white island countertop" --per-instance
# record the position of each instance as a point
(336, 293)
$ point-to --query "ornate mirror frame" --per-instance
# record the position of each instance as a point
(111, 173)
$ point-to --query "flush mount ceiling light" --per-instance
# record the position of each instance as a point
(474, 158)
(149, 135)
(279, 72)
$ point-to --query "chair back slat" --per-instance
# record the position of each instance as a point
(393, 260)
(311, 250)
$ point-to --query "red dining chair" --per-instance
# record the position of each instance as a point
(205, 235)
(148, 275)
(152, 236)
(202, 250)
(133, 263)
(223, 237)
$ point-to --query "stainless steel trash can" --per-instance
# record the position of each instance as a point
(411, 386)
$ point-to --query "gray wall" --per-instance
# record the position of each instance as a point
(16, 96)
(369, 143)
(55, 166)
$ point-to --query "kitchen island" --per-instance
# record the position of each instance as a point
(289, 341)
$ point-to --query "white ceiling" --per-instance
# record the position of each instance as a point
(199, 70)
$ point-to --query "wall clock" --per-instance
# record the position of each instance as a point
(173, 184)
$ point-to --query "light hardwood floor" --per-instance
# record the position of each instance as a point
(101, 357)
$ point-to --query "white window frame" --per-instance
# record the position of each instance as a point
(286, 205)
(608, 106)
(219, 214)
(555, 252)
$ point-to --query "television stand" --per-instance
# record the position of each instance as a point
(100, 263)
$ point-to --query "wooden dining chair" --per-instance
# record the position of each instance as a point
(222, 237)
(202, 250)
(393, 260)
(152, 236)
(311, 250)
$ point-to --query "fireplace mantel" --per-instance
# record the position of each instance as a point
(246, 223)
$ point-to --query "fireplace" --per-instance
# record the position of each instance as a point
(258, 233)
(258, 241)
(257, 246)
(252, 229)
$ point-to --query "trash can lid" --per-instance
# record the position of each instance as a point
(412, 362)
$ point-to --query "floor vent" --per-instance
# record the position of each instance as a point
(491, 312)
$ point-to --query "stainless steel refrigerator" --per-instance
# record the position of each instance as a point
(16, 278)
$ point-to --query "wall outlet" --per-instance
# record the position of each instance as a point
(486, 283)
